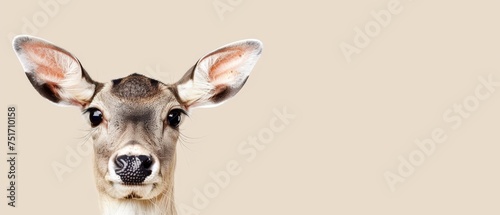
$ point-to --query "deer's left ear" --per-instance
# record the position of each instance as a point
(54, 72)
(218, 75)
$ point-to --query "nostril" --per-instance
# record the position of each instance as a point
(146, 161)
(121, 161)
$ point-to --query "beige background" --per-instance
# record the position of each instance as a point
(353, 120)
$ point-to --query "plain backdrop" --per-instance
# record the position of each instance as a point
(357, 116)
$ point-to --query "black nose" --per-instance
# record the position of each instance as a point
(133, 169)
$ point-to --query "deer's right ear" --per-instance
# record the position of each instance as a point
(54, 72)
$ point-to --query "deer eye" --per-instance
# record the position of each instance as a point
(95, 116)
(174, 117)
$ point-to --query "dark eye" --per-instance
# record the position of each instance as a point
(174, 117)
(95, 116)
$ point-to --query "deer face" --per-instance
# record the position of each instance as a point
(135, 126)
(135, 120)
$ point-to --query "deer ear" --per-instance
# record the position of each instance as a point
(219, 75)
(54, 72)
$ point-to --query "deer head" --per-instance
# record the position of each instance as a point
(135, 120)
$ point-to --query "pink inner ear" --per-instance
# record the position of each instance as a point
(226, 65)
(45, 59)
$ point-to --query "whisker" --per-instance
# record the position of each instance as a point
(84, 139)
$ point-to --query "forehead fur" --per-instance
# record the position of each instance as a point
(135, 87)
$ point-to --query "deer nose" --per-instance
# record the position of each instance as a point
(133, 169)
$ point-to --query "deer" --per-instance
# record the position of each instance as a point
(134, 121)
